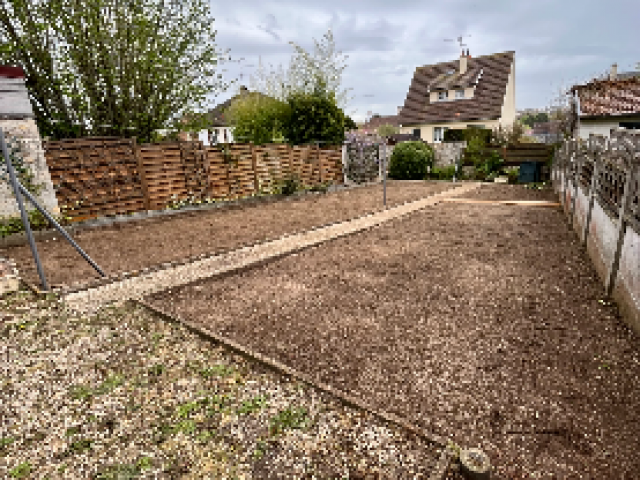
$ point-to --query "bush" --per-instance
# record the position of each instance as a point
(288, 185)
(443, 173)
(454, 135)
(409, 161)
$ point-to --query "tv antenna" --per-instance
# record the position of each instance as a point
(459, 40)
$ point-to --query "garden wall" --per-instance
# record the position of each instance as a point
(447, 153)
(599, 187)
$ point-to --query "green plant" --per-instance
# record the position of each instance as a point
(288, 419)
(21, 471)
(253, 405)
(443, 173)
(410, 160)
(289, 185)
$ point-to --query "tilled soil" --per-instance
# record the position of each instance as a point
(482, 323)
(146, 243)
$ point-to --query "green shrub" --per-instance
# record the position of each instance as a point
(409, 161)
(454, 135)
(443, 173)
(288, 185)
(37, 221)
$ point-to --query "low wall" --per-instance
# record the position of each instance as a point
(24, 134)
(599, 188)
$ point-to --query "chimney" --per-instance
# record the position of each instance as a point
(463, 63)
(614, 72)
(468, 53)
(399, 110)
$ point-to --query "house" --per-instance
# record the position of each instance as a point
(477, 92)
(607, 103)
(377, 121)
(546, 132)
(220, 130)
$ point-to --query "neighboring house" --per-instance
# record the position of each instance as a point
(377, 121)
(546, 132)
(470, 91)
(607, 103)
(220, 130)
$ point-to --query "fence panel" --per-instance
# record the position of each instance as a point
(95, 176)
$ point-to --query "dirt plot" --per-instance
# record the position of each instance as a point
(154, 241)
(499, 192)
(483, 323)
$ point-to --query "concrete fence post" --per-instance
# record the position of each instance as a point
(593, 188)
(344, 164)
(622, 224)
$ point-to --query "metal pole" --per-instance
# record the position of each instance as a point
(61, 230)
(384, 174)
(23, 213)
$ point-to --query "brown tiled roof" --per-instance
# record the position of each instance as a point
(488, 97)
(607, 97)
(375, 122)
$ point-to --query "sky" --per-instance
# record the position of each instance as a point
(557, 44)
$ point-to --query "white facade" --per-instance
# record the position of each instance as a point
(602, 126)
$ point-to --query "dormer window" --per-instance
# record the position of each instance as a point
(442, 96)
(459, 93)
(451, 72)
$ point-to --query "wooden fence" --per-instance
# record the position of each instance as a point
(599, 186)
(111, 176)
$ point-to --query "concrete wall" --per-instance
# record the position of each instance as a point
(601, 127)
(612, 239)
(28, 138)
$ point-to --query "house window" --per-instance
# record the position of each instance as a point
(442, 96)
(416, 132)
(630, 125)
(438, 134)
(459, 93)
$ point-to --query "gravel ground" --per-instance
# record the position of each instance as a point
(140, 244)
(482, 323)
(124, 395)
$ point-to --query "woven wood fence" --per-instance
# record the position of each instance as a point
(113, 176)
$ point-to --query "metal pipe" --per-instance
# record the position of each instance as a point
(384, 174)
(61, 230)
(25, 219)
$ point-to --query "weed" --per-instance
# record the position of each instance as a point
(80, 446)
(72, 431)
(261, 449)
(186, 409)
(21, 471)
(288, 419)
(122, 472)
(252, 405)
(205, 436)
(81, 392)
(5, 442)
(111, 383)
(156, 370)
(217, 370)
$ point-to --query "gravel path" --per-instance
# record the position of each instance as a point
(124, 395)
(482, 323)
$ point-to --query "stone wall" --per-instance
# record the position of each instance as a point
(25, 132)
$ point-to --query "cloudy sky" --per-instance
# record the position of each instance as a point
(557, 44)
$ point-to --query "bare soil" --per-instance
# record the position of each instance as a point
(145, 243)
(483, 323)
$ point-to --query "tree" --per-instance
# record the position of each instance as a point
(349, 124)
(387, 130)
(111, 67)
(257, 118)
(314, 117)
